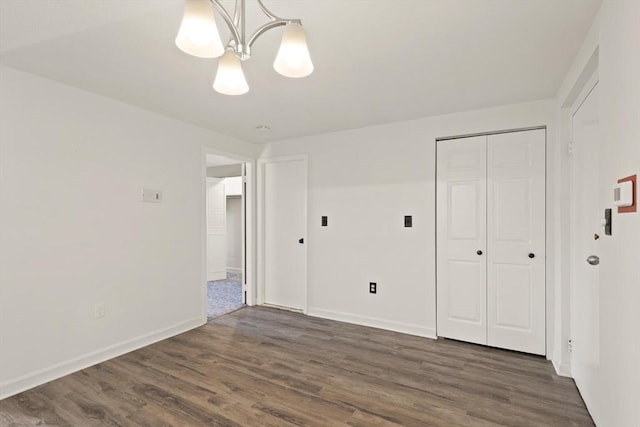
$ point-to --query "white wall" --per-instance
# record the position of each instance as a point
(365, 181)
(615, 36)
(74, 232)
(620, 275)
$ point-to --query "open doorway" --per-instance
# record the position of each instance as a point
(226, 243)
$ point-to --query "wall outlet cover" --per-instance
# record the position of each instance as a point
(151, 196)
(99, 310)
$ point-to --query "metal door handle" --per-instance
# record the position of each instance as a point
(301, 241)
(479, 252)
(593, 260)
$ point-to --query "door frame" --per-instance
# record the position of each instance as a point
(261, 240)
(249, 241)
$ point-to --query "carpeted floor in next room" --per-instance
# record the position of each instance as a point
(224, 296)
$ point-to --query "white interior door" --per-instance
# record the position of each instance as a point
(285, 229)
(216, 230)
(461, 239)
(516, 241)
(585, 284)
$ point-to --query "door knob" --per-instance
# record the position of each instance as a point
(593, 260)
(532, 255)
(301, 241)
(479, 252)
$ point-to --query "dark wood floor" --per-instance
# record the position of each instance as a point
(265, 367)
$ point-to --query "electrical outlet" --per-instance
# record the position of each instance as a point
(99, 310)
(373, 287)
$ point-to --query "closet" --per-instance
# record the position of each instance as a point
(491, 240)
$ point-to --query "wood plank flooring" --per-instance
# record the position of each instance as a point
(265, 367)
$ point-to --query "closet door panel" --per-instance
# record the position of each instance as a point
(461, 233)
(516, 241)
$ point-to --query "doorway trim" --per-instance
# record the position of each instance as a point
(250, 221)
(260, 244)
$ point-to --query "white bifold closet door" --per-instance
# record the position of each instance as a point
(491, 240)
(462, 239)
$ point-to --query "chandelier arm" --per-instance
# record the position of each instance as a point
(236, 14)
(267, 12)
(268, 26)
(239, 18)
(235, 34)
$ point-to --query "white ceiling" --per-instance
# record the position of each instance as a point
(376, 61)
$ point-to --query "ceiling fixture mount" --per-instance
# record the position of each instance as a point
(199, 36)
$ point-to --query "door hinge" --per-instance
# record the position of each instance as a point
(570, 346)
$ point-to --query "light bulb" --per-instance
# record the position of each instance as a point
(230, 77)
(198, 35)
(293, 58)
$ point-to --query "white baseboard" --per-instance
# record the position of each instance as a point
(562, 369)
(234, 269)
(279, 307)
(374, 322)
(216, 275)
(34, 379)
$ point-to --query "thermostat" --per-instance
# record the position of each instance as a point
(623, 194)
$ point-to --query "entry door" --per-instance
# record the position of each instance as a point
(285, 229)
(585, 285)
(516, 241)
(462, 239)
(216, 230)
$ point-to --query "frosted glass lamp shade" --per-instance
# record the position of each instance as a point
(293, 58)
(198, 34)
(230, 77)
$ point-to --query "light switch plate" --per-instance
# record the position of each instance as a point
(151, 196)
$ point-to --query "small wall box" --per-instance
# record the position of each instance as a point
(623, 194)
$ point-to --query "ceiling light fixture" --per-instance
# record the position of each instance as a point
(199, 36)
